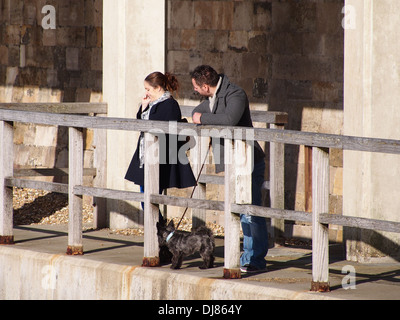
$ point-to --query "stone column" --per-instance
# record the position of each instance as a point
(134, 46)
(371, 104)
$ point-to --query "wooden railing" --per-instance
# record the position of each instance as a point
(237, 181)
(72, 115)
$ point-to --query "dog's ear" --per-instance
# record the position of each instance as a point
(161, 223)
(171, 224)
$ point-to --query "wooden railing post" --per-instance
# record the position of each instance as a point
(6, 193)
(238, 166)
(151, 211)
(277, 183)
(100, 180)
(75, 178)
(198, 155)
(320, 204)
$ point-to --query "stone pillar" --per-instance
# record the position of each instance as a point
(371, 102)
(134, 46)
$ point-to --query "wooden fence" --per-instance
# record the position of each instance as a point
(237, 180)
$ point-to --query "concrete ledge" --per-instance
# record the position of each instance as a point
(25, 274)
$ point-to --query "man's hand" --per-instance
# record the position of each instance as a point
(196, 118)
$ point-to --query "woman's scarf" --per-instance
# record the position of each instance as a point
(145, 116)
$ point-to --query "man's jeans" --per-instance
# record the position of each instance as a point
(255, 240)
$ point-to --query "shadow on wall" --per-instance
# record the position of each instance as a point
(307, 52)
(375, 243)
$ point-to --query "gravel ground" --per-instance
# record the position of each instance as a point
(36, 207)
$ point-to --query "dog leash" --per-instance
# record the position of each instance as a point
(194, 188)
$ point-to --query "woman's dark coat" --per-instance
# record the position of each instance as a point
(175, 175)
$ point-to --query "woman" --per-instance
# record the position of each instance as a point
(158, 104)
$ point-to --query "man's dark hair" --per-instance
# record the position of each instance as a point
(205, 75)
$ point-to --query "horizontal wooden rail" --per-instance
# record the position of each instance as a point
(50, 172)
(214, 179)
(38, 185)
(66, 108)
(266, 212)
(267, 117)
(357, 222)
(260, 134)
(325, 218)
(187, 203)
(109, 193)
(211, 179)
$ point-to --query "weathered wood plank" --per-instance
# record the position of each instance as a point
(100, 180)
(199, 156)
(277, 180)
(320, 204)
(186, 202)
(37, 185)
(58, 107)
(328, 140)
(212, 179)
(109, 193)
(256, 115)
(75, 178)
(151, 213)
(243, 160)
(50, 172)
(267, 212)
(260, 134)
(232, 221)
(325, 218)
(6, 193)
(363, 223)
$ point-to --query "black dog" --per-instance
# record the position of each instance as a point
(182, 243)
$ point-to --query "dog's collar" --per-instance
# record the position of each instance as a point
(170, 236)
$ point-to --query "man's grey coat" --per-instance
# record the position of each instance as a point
(231, 108)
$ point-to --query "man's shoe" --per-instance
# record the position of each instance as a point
(252, 269)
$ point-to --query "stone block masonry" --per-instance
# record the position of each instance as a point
(287, 55)
(229, 35)
(39, 64)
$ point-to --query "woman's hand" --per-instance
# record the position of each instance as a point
(145, 102)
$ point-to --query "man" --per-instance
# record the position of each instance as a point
(227, 104)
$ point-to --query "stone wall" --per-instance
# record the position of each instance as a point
(232, 36)
(287, 55)
(307, 48)
(49, 65)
